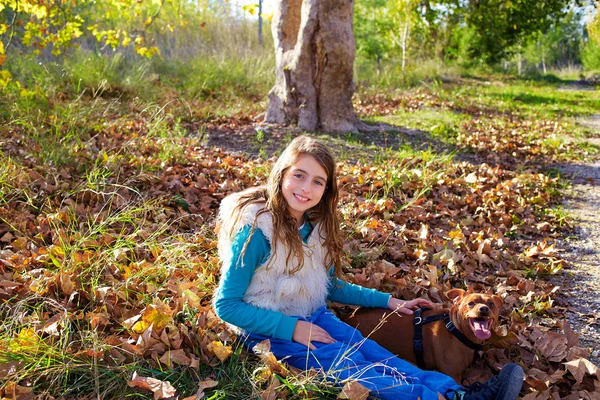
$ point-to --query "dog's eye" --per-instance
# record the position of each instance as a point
(491, 305)
(471, 304)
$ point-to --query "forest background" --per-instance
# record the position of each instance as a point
(123, 124)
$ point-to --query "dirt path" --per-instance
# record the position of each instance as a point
(581, 283)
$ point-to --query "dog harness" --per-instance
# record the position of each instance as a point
(419, 321)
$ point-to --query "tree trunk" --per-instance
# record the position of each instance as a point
(314, 51)
(404, 45)
(260, 22)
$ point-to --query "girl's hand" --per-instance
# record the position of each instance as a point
(406, 307)
(305, 333)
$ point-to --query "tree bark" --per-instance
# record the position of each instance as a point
(260, 22)
(314, 52)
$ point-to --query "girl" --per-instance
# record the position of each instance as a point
(281, 249)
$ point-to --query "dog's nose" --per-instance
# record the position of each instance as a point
(485, 310)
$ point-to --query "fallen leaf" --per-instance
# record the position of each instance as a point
(177, 357)
(202, 386)
(271, 392)
(222, 352)
(161, 389)
(353, 390)
(579, 368)
(66, 284)
(7, 237)
(52, 326)
(572, 337)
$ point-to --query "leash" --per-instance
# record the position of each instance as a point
(419, 321)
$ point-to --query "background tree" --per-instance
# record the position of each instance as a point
(315, 50)
(500, 25)
(404, 18)
(559, 46)
(370, 30)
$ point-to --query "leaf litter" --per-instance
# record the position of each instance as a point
(120, 242)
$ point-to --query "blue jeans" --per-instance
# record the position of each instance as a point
(355, 358)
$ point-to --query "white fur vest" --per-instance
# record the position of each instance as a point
(273, 287)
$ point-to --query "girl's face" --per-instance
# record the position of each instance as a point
(303, 185)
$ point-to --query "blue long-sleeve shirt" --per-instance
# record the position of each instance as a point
(229, 301)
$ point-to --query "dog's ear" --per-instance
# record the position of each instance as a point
(455, 294)
(497, 301)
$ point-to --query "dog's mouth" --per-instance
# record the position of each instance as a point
(481, 327)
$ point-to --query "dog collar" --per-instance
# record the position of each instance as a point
(419, 321)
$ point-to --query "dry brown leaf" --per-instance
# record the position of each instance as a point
(101, 295)
(161, 389)
(66, 284)
(7, 237)
(9, 368)
(175, 356)
(553, 346)
(98, 319)
(130, 322)
(271, 392)
(53, 325)
(18, 392)
(424, 232)
(579, 368)
(263, 347)
(353, 390)
(572, 337)
(202, 386)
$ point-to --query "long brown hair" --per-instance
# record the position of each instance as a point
(285, 230)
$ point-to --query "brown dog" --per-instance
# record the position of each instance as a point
(473, 314)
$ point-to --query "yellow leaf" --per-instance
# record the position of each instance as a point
(456, 234)
(2, 61)
(20, 243)
(4, 75)
(27, 93)
(157, 315)
(222, 352)
(39, 286)
(27, 337)
(140, 326)
(191, 298)
(58, 251)
(40, 12)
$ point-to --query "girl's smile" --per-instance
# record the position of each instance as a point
(303, 186)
